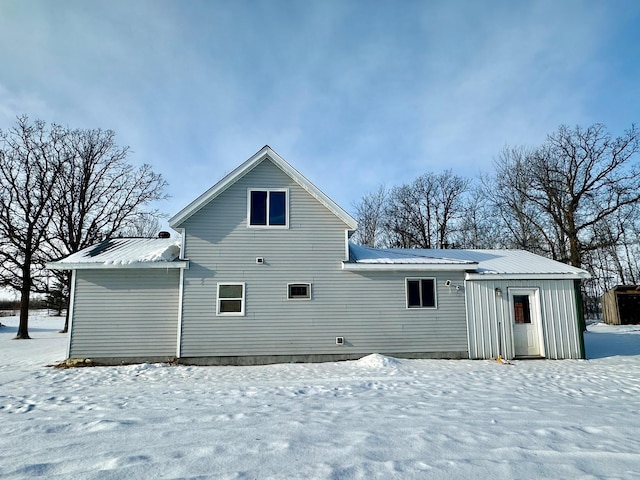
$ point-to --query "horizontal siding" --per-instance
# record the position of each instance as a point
(368, 310)
(125, 313)
(490, 324)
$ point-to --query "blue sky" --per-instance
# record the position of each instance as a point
(354, 94)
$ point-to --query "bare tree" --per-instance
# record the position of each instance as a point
(523, 224)
(449, 204)
(32, 159)
(60, 191)
(145, 225)
(480, 225)
(407, 217)
(616, 255)
(564, 196)
(583, 177)
(369, 212)
(424, 214)
(100, 194)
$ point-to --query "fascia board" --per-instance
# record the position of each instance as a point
(402, 267)
(313, 190)
(99, 266)
(528, 276)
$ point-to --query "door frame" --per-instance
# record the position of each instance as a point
(536, 315)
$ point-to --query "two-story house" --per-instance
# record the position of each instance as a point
(264, 272)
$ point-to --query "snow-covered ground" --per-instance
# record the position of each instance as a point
(377, 417)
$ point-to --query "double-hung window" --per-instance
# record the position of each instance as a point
(421, 293)
(230, 299)
(268, 208)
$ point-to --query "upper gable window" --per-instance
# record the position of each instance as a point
(268, 208)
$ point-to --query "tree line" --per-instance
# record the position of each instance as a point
(62, 190)
(575, 198)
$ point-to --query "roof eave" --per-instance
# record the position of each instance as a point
(528, 276)
(183, 264)
(408, 267)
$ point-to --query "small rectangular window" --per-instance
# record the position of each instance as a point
(268, 208)
(299, 291)
(421, 293)
(230, 299)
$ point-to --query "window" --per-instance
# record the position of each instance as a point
(230, 299)
(522, 310)
(299, 291)
(268, 208)
(421, 293)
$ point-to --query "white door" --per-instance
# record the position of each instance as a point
(527, 326)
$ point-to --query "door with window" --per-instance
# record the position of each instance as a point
(527, 324)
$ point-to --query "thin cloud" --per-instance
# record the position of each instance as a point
(354, 94)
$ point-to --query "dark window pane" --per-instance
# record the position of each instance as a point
(299, 291)
(428, 293)
(230, 306)
(231, 291)
(258, 215)
(413, 293)
(521, 309)
(277, 208)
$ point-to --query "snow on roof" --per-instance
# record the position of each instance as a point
(476, 262)
(120, 252)
(367, 255)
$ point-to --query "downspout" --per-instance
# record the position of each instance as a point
(180, 297)
(179, 333)
(72, 300)
(582, 325)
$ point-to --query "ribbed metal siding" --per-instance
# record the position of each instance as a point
(125, 313)
(368, 310)
(485, 312)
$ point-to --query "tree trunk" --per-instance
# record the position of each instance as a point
(65, 329)
(575, 252)
(25, 293)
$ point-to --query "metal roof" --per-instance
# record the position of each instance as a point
(478, 263)
(366, 258)
(125, 253)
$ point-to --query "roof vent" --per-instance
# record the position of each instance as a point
(164, 234)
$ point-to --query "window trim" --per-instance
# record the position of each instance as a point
(306, 284)
(435, 292)
(268, 190)
(241, 313)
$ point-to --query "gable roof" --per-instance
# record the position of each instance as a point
(125, 253)
(479, 264)
(264, 153)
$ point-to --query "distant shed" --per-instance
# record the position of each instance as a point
(621, 305)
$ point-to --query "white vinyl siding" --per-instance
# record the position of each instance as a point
(125, 313)
(367, 309)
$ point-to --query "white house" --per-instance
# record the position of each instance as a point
(264, 272)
